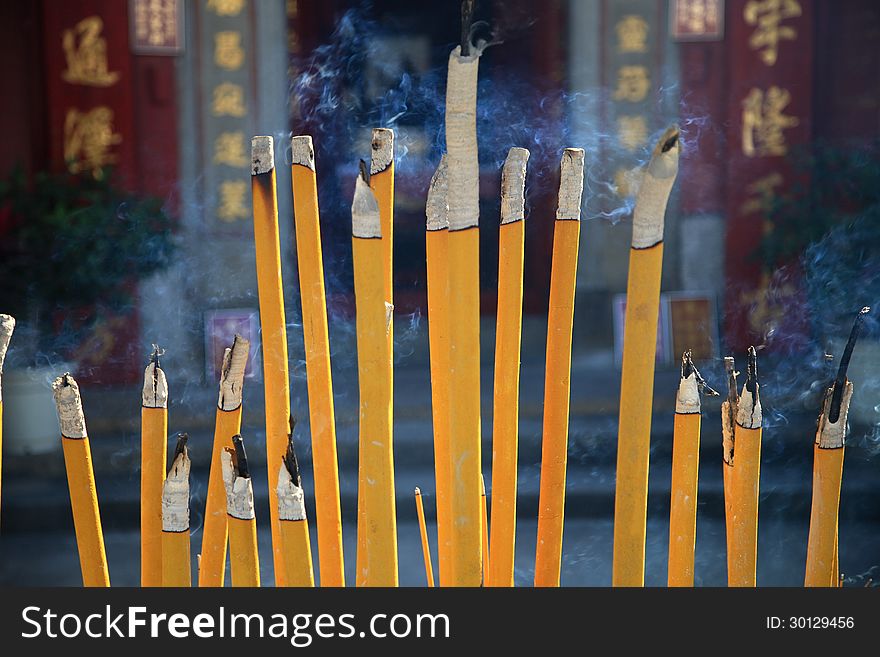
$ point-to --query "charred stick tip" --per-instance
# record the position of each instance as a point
(241, 463)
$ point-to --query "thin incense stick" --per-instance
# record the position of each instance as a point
(423, 532)
(7, 326)
(639, 355)
(557, 381)
(294, 526)
(176, 568)
(274, 330)
(685, 472)
(377, 525)
(743, 558)
(828, 451)
(464, 316)
(244, 562)
(154, 438)
(508, 342)
(322, 414)
(227, 423)
(81, 482)
(437, 257)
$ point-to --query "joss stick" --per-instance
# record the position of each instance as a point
(81, 482)
(7, 325)
(728, 422)
(639, 355)
(227, 423)
(244, 562)
(685, 470)
(176, 568)
(822, 546)
(423, 532)
(377, 523)
(154, 438)
(508, 342)
(742, 561)
(464, 313)
(295, 538)
(322, 414)
(557, 380)
(274, 331)
(437, 257)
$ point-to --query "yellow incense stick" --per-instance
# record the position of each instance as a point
(274, 331)
(244, 562)
(508, 341)
(317, 347)
(423, 532)
(81, 482)
(176, 567)
(557, 381)
(437, 256)
(154, 438)
(377, 526)
(639, 354)
(294, 526)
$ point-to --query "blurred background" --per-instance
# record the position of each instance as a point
(125, 221)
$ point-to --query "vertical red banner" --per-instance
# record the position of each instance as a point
(770, 93)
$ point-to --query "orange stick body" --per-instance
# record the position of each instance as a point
(683, 505)
(322, 413)
(557, 390)
(822, 543)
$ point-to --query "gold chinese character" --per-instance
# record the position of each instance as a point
(228, 100)
(764, 122)
(226, 7)
(229, 149)
(766, 16)
(632, 83)
(86, 53)
(632, 34)
(88, 138)
(760, 193)
(228, 52)
(232, 200)
(632, 131)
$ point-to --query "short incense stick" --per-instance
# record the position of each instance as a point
(728, 422)
(81, 482)
(557, 380)
(175, 519)
(508, 341)
(639, 354)
(295, 538)
(227, 423)
(437, 256)
(154, 438)
(822, 546)
(746, 474)
(7, 326)
(685, 472)
(244, 562)
(274, 331)
(423, 532)
(464, 315)
(377, 523)
(317, 347)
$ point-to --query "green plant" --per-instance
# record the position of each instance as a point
(75, 243)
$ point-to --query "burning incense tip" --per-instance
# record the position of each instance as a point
(749, 414)
(239, 489)
(262, 154)
(232, 374)
(155, 392)
(69, 406)
(365, 210)
(571, 184)
(7, 326)
(840, 380)
(382, 150)
(175, 490)
(302, 152)
(650, 210)
(513, 185)
(437, 209)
